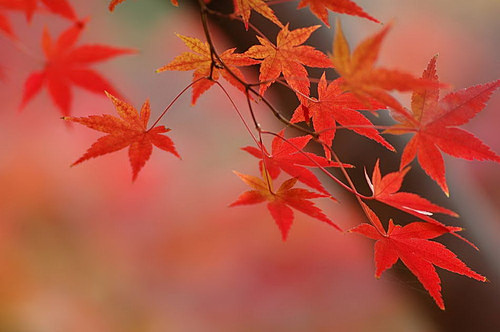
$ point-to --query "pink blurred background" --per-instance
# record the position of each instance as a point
(85, 249)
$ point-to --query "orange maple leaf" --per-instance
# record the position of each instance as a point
(280, 201)
(434, 125)
(66, 65)
(411, 245)
(363, 79)
(130, 129)
(320, 9)
(243, 8)
(206, 69)
(288, 56)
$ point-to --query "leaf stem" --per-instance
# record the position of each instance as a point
(174, 100)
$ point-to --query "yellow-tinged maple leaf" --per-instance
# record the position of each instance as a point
(280, 201)
(130, 129)
(288, 56)
(243, 8)
(205, 67)
(363, 79)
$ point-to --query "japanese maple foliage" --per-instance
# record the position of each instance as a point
(338, 104)
(411, 245)
(128, 130)
(334, 105)
(386, 190)
(5, 26)
(205, 71)
(29, 7)
(243, 8)
(280, 201)
(363, 79)
(434, 125)
(67, 65)
(288, 57)
(287, 156)
(320, 8)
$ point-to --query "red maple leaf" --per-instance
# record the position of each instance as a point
(288, 56)
(114, 3)
(364, 80)
(130, 129)
(334, 105)
(29, 7)
(204, 65)
(386, 189)
(5, 25)
(288, 156)
(411, 244)
(320, 9)
(66, 65)
(280, 201)
(434, 125)
(243, 8)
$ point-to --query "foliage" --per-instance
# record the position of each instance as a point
(360, 86)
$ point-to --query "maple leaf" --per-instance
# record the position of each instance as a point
(66, 65)
(201, 62)
(114, 3)
(411, 244)
(288, 156)
(130, 129)
(320, 9)
(288, 56)
(243, 8)
(279, 202)
(333, 105)
(386, 189)
(434, 125)
(364, 80)
(29, 7)
(5, 25)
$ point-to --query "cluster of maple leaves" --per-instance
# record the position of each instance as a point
(432, 121)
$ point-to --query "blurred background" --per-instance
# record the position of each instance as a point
(85, 249)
